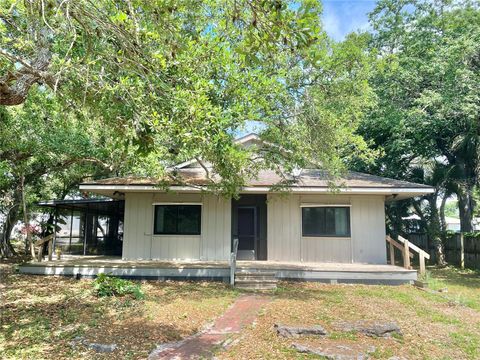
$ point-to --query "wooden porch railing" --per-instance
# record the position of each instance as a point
(405, 246)
(233, 261)
(48, 239)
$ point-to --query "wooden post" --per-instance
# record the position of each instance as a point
(422, 263)
(40, 253)
(28, 241)
(50, 250)
(392, 254)
(462, 251)
(406, 255)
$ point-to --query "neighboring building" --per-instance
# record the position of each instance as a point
(453, 224)
(307, 224)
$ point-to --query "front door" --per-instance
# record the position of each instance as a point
(247, 230)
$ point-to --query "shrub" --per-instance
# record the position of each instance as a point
(107, 285)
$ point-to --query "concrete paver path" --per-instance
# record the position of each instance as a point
(241, 313)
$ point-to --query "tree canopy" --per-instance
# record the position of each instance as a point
(134, 87)
(178, 79)
(426, 80)
(106, 88)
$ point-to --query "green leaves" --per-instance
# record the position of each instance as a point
(107, 285)
(426, 80)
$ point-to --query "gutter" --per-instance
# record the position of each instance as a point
(263, 189)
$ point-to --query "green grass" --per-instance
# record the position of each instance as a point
(462, 285)
(469, 343)
(347, 335)
(435, 325)
(41, 315)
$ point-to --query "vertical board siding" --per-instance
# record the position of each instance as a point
(216, 232)
(368, 225)
(175, 247)
(284, 242)
(326, 249)
(366, 244)
(283, 228)
(140, 243)
(138, 224)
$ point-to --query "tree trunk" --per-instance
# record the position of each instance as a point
(28, 240)
(466, 205)
(6, 248)
(434, 230)
(443, 222)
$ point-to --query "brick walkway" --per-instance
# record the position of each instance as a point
(243, 312)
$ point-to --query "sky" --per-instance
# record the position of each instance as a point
(341, 17)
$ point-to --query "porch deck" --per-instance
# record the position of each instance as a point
(89, 266)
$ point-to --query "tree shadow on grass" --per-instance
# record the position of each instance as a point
(457, 277)
(51, 326)
(167, 291)
(306, 291)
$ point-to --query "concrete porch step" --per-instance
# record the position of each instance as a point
(255, 277)
(255, 280)
(255, 287)
(246, 271)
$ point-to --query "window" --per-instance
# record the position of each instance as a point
(177, 219)
(326, 221)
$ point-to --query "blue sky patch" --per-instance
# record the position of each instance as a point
(341, 17)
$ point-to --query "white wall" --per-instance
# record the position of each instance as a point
(368, 229)
(366, 244)
(140, 243)
(284, 240)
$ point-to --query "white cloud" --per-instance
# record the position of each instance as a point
(341, 17)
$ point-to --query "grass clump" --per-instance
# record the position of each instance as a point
(107, 285)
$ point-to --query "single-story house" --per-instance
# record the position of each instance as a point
(308, 224)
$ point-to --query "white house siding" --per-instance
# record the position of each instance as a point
(283, 227)
(284, 242)
(368, 229)
(326, 249)
(216, 228)
(140, 243)
(367, 219)
(138, 221)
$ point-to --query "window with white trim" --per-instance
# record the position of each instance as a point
(326, 221)
(177, 220)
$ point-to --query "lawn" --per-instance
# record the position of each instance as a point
(435, 325)
(40, 316)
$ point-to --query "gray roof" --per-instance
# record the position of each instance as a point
(310, 178)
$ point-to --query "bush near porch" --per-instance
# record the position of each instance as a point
(40, 316)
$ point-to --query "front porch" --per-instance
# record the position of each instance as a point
(90, 266)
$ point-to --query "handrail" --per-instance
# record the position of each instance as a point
(405, 246)
(48, 239)
(233, 261)
(397, 245)
(414, 247)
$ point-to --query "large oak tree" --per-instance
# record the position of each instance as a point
(427, 83)
(179, 78)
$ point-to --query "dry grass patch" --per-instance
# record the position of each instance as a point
(41, 315)
(434, 325)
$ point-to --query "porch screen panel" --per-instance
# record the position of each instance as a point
(326, 221)
(177, 220)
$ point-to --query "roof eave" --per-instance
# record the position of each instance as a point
(398, 191)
